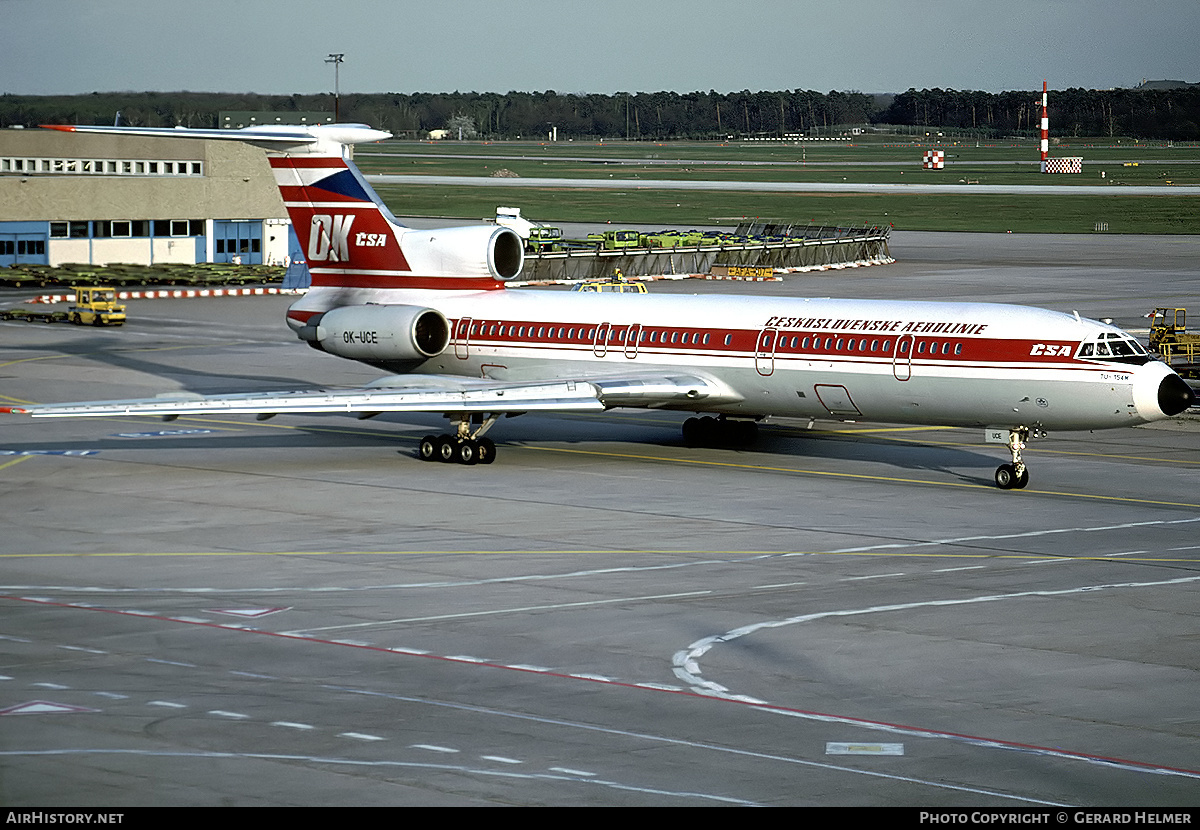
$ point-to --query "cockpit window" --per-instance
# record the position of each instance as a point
(1116, 347)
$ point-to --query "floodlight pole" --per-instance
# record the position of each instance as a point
(336, 60)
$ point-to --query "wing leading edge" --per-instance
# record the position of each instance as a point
(426, 393)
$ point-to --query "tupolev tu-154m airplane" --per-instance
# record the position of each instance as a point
(430, 307)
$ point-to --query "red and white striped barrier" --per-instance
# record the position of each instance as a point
(934, 160)
(176, 293)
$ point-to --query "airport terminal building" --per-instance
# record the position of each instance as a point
(100, 199)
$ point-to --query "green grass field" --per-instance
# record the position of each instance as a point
(627, 164)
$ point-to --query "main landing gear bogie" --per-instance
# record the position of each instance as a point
(451, 449)
(465, 446)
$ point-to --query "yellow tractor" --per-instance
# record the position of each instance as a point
(96, 305)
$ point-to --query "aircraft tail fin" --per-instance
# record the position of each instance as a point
(350, 238)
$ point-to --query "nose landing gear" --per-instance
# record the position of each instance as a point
(1015, 476)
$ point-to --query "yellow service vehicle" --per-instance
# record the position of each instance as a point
(1170, 340)
(617, 284)
(96, 305)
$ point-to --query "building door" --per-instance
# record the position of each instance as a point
(22, 248)
(235, 241)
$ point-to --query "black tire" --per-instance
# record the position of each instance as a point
(745, 433)
(445, 448)
(485, 452)
(691, 432)
(1022, 481)
(466, 452)
(1006, 477)
(427, 449)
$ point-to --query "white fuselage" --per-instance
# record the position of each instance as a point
(965, 364)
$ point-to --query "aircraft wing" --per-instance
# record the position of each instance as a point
(418, 393)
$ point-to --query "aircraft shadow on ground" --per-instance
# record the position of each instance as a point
(400, 433)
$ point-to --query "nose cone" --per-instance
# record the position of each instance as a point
(1174, 395)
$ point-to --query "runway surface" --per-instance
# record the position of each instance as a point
(299, 612)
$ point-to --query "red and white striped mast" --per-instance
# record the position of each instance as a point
(1045, 129)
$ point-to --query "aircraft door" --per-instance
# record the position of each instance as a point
(764, 351)
(462, 338)
(902, 359)
(632, 335)
(600, 347)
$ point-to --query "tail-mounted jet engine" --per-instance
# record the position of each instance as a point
(395, 337)
(476, 251)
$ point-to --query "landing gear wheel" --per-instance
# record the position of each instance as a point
(445, 448)
(466, 452)
(719, 432)
(485, 452)
(1006, 477)
(427, 450)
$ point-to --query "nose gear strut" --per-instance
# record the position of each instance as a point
(1015, 476)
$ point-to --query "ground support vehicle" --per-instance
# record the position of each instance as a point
(95, 305)
(1171, 341)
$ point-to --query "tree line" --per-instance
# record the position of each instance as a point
(1172, 114)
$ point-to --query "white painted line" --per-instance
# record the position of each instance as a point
(171, 663)
(522, 667)
(112, 695)
(836, 748)
(1025, 535)
(253, 675)
(569, 771)
(500, 759)
(435, 748)
(50, 685)
(521, 610)
(248, 612)
(598, 677)
(290, 725)
(964, 568)
(464, 658)
(872, 576)
(360, 736)
(167, 703)
(84, 650)
(44, 707)
(221, 713)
